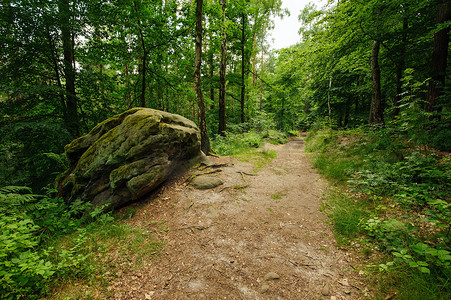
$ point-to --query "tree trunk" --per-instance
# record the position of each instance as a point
(347, 104)
(400, 67)
(72, 121)
(143, 68)
(212, 71)
(205, 141)
(439, 58)
(376, 108)
(142, 97)
(56, 69)
(253, 60)
(328, 102)
(222, 77)
(243, 62)
(128, 95)
(261, 82)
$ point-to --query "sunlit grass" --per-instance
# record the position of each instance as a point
(259, 159)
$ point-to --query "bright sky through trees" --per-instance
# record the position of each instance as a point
(286, 30)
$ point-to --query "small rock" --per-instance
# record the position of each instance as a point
(206, 182)
(325, 291)
(333, 298)
(347, 292)
(344, 282)
(272, 276)
(264, 288)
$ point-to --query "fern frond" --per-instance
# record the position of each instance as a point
(14, 199)
(12, 189)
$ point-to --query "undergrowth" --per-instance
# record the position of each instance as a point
(392, 198)
(237, 143)
(46, 242)
(247, 137)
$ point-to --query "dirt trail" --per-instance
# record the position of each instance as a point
(222, 243)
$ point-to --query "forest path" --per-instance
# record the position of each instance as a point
(231, 242)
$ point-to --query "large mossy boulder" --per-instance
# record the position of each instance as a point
(127, 156)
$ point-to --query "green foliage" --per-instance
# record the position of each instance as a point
(44, 240)
(346, 213)
(233, 144)
(320, 141)
(294, 133)
(401, 200)
(262, 121)
(27, 219)
(420, 126)
(275, 137)
(23, 270)
(29, 153)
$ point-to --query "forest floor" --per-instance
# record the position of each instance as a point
(260, 235)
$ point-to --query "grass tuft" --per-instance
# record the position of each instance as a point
(392, 198)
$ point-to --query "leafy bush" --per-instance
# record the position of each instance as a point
(401, 202)
(43, 241)
(233, 143)
(25, 219)
(24, 271)
(27, 153)
(262, 121)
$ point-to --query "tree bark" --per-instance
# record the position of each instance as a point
(347, 105)
(72, 120)
(328, 102)
(376, 108)
(56, 69)
(439, 58)
(253, 60)
(212, 71)
(261, 81)
(205, 141)
(222, 77)
(400, 67)
(243, 62)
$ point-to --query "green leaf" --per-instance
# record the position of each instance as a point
(424, 270)
(422, 263)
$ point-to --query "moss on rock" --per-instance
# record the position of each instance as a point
(126, 156)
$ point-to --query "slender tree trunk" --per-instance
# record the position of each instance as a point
(205, 141)
(222, 77)
(439, 58)
(400, 67)
(57, 72)
(243, 63)
(212, 71)
(128, 95)
(282, 114)
(253, 60)
(328, 102)
(347, 104)
(142, 97)
(376, 108)
(143, 69)
(72, 121)
(261, 82)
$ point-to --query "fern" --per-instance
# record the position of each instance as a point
(18, 200)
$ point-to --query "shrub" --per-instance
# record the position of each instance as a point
(402, 201)
(27, 153)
